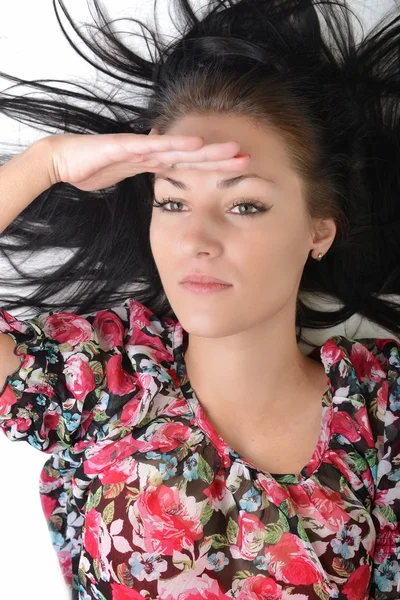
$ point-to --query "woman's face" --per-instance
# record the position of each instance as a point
(262, 255)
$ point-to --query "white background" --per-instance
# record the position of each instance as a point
(32, 46)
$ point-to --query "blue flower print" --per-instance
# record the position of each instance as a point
(167, 466)
(348, 542)
(51, 352)
(190, 467)
(261, 562)
(82, 594)
(395, 476)
(147, 566)
(251, 500)
(387, 575)
(72, 421)
(33, 441)
(218, 561)
(150, 367)
(18, 385)
(395, 400)
(57, 540)
(41, 400)
(153, 455)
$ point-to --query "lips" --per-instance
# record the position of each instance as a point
(203, 279)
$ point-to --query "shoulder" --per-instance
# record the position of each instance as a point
(371, 358)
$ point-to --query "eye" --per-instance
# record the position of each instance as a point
(254, 204)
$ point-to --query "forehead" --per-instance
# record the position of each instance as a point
(268, 150)
(221, 184)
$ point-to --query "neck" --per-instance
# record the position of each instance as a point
(264, 369)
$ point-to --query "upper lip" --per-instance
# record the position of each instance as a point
(202, 278)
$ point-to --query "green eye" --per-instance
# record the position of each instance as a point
(258, 206)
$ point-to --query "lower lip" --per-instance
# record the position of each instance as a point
(205, 288)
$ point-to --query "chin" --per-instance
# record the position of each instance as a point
(207, 327)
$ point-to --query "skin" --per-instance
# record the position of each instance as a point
(242, 359)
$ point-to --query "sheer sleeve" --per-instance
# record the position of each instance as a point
(386, 507)
(56, 396)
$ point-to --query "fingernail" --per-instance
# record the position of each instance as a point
(241, 155)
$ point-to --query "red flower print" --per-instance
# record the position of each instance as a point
(119, 381)
(216, 491)
(91, 535)
(48, 505)
(364, 427)
(166, 437)
(165, 519)
(122, 592)
(250, 540)
(203, 588)
(321, 504)
(274, 492)
(289, 562)
(345, 425)
(7, 400)
(79, 376)
(331, 353)
(216, 440)
(366, 365)
(357, 586)
(382, 396)
(65, 560)
(170, 435)
(67, 328)
(110, 329)
(109, 454)
(260, 587)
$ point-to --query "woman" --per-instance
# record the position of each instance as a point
(195, 451)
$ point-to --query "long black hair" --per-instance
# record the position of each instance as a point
(295, 65)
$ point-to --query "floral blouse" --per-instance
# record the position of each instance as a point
(143, 498)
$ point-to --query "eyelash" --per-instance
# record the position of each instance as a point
(260, 207)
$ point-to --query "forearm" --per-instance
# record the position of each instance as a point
(22, 179)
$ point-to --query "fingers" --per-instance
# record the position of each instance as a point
(232, 164)
(145, 143)
(209, 153)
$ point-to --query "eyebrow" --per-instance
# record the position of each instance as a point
(224, 184)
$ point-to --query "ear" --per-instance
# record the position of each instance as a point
(154, 131)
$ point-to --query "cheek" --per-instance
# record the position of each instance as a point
(160, 244)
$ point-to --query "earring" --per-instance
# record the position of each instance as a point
(319, 257)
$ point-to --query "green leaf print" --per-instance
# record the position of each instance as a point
(242, 574)
(97, 369)
(90, 348)
(100, 416)
(274, 531)
(125, 575)
(388, 513)
(112, 490)
(302, 532)
(108, 513)
(81, 578)
(342, 567)
(218, 540)
(204, 470)
(57, 521)
(61, 429)
(371, 456)
(96, 568)
(206, 513)
(95, 499)
(319, 590)
(232, 531)
(358, 461)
